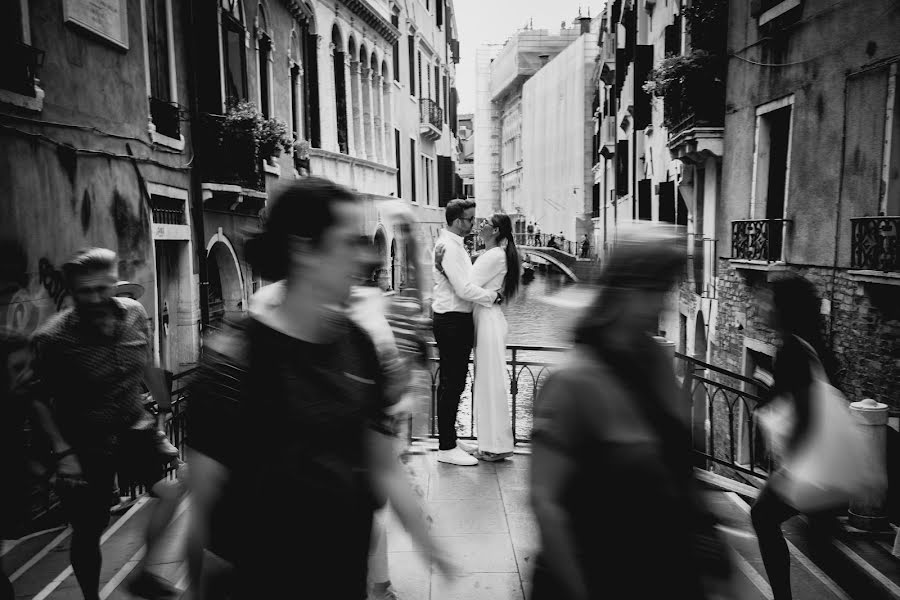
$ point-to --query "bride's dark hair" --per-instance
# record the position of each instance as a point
(513, 264)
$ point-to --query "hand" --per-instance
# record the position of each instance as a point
(439, 258)
(499, 298)
(68, 467)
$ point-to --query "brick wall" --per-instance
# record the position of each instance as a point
(863, 330)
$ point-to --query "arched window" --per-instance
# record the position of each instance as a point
(340, 89)
(234, 51)
(264, 52)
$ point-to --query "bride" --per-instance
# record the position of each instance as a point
(497, 269)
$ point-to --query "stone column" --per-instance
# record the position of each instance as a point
(366, 85)
(357, 108)
(869, 510)
(388, 120)
(378, 110)
(348, 101)
(328, 106)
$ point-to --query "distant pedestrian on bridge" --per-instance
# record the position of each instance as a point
(454, 329)
(552, 242)
(585, 246)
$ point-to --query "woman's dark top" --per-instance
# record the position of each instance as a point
(793, 379)
(630, 502)
(289, 419)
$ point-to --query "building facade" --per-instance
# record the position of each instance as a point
(159, 128)
(465, 168)
(810, 182)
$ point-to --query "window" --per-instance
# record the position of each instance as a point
(397, 163)
(264, 52)
(164, 111)
(395, 21)
(21, 61)
(420, 75)
(296, 88)
(437, 85)
(411, 45)
(340, 91)
(439, 12)
(233, 52)
(772, 167)
(412, 169)
(427, 179)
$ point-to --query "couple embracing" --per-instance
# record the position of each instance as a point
(467, 314)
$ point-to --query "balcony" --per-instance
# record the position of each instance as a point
(431, 119)
(694, 113)
(874, 249)
(227, 157)
(758, 241)
(166, 117)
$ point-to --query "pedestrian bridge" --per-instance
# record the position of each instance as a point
(557, 258)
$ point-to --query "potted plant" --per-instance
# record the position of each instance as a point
(268, 137)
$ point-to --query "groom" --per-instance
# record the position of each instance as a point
(454, 330)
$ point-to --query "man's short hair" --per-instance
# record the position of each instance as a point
(90, 260)
(456, 208)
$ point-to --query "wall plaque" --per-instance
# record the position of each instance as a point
(107, 19)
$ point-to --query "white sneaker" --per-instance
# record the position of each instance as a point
(466, 447)
(456, 457)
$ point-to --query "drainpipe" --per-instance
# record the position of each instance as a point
(196, 181)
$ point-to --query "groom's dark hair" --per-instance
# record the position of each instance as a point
(456, 208)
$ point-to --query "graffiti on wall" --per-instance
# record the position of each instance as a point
(38, 300)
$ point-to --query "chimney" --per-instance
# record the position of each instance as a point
(585, 24)
(545, 58)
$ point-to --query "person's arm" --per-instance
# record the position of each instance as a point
(67, 463)
(206, 480)
(390, 482)
(552, 468)
(793, 377)
(458, 275)
(488, 266)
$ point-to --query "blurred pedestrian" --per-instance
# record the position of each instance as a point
(585, 246)
(817, 428)
(552, 242)
(611, 464)
(302, 387)
(90, 361)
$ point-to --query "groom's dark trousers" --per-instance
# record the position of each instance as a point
(454, 333)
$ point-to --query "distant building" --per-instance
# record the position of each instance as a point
(502, 72)
(465, 168)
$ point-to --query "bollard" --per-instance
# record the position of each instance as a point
(868, 511)
(666, 345)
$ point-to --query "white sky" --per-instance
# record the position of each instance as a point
(493, 21)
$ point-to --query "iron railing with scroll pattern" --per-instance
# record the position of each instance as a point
(758, 239)
(430, 113)
(724, 427)
(874, 243)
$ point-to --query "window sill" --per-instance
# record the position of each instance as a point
(34, 104)
(272, 169)
(397, 84)
(413, 99)
(777, 10)
(164, 140)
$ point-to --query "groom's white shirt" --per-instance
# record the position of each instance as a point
(453, 289)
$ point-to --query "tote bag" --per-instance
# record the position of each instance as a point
(835, 464)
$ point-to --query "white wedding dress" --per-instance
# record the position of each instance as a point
(492, 421)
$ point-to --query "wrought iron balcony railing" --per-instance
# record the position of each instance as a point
(758, 239)
(167, 211)
(166, 117)
(19, 67)
(873, 243)
(226, 156)
(430, 113)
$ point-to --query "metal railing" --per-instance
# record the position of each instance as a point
(724, 428)
(542, 240)
(167, 211)
(19, 67)
(873, 243)
(758, 239)
(430, 113)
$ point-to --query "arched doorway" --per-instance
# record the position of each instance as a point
(226, 283)
(381, 251)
